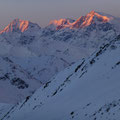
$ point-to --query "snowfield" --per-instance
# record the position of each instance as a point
(4, 108)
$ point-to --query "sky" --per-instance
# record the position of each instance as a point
(43, 11)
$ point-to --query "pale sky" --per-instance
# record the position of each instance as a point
(42, 11)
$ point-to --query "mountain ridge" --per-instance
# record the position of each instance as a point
(81, 22)
(23, 25)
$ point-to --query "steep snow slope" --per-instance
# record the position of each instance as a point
(88, 90)
(4, 108)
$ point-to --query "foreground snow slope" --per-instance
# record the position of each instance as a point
(4, 108)
(88, 90)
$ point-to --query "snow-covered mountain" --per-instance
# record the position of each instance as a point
(20, 31)
(92, 18)
(43, 52)
(87, 31)
(88, 90)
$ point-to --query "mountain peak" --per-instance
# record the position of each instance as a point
(102, 16)
(61, 23)
(92, 12)
(18, 25)
(93, 17)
